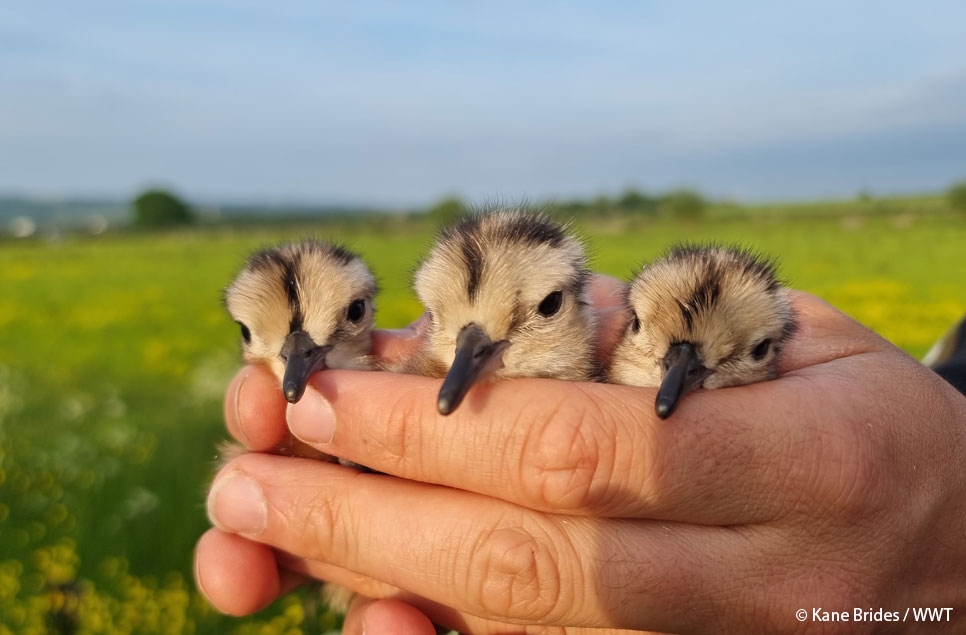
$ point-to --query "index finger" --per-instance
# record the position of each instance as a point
(253, 407)
(599, 449)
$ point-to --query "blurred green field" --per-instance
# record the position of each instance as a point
(115, 352)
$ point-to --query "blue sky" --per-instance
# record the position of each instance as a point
(401, 103)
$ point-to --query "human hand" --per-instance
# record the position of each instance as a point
(240, 576)
(827, 486)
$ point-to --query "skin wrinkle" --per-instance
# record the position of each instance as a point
(397, 436)
(318, 518)
(781, 447)
(311, 515)
(402, 436)
(831, 587)
(478, 573)
(753, 455)
(519, 567)
(617, 571)
(316, 515)
(868, 546)
(809, 487)
(515, 567)
(454, 560)
(659, 484)
(847, 449)
(572, 577)
(793, 451)
(858, 477)
(600, 452)
(476, 556)
(781, 570)
(558, 461)
(639, 564)
(638, 470)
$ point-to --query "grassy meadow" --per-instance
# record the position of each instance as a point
(115, 352)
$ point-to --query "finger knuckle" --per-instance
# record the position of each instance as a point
(567, 458)
(400, 443)
(518, 575)
(852, 476)
(315, 517)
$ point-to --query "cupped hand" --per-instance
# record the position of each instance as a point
(241, 576)
(547, 503)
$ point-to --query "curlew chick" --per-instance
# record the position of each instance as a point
(304, 307)
(505, 293)
(702, 317)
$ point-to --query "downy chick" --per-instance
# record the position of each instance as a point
(304, 307)
(506, 296)
(702, 317)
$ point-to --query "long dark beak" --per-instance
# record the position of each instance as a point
(302, 358)
(683, 372)
(476, 356)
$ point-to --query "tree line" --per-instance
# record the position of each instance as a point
(156, 208)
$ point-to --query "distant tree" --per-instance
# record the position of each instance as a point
(573, 207)
(447, 211)
(957, 196)
(601, 204)
(685, 204)
(158, 208)
(633, 200)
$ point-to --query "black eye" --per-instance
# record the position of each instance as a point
(356, 310)
(761, 349)
(551, 304)
(635, 323)
(246, 334)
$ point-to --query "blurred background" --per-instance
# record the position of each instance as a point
(147, 147)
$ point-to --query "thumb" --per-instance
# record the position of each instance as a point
(391, 347)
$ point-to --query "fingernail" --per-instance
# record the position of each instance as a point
(236, 401)
(311, 419)
(405, 333)
(237, 504)
(199, 581)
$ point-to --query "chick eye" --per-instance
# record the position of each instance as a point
(551, 304)
(357, 309)
(761, 349)
(246, 334)
(635, 323)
